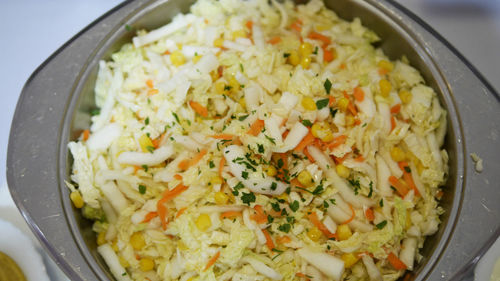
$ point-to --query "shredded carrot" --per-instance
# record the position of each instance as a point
(86, 135)
(153, 92)
(136, 168)
(318, 36)
(269, 240)
(307, 140)
(162, 213)
(359, 94)
(167, 52)
(382, 71)
(396, 262)
(408, 177)
(395, 109)
(156, 142)
(275, 40)
(178, 177)
(393, 123)
(353, 214)
(230, 214)
(221, 165)
(399, 186)
(302, 275)
(343, 66)
(309, 156)
(360, 158)
(168, 195)
(313, 217)
(370, 216)
(149, 216)
(350, 106)
(186, 163)
(337, 141)
(149, 83)
(180, 212)
(357, 122)
(297, 25)
(256, 127)
(285, 133)
(283, 239)
(249, 24)
(331, 100)
(223, 136)
(439, 194)
(212, 261)
(296, 182)
(260, 217)
(328, 54)
(198, 108)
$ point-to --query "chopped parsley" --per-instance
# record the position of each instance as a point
(276, 206)
(381, 224)
(270, 219)
(371, 190)
(407, 169)
(241, 118)
(325, 204)
(236, 188)
(244, 174)
(322, 103)
(327, 85)
(128, 27)
(176, 117)
(142, 189)
(146, 121)
(318, 190)
(355, 185)
(307, 123)
(227, 88)
(95, 112)
(247, 198)
(381, 203)
(241, 67)
(333, 112)
(286, 55)
(294, 206)
(260, 148)
(285, 227)
(274, 185)
(270, 139)
(290, 220)
(150, 148)
(145, 167)
(315, 50)
(211, 164)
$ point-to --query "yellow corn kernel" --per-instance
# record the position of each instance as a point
(101, 238)
(305, 62)
(114, 246)
(398, 154)
(408, 219)
(405, 96)
(239, 33)
(214, 75)
(146, 143)
(294, 58)
(305, 178)
(416, 161)
(271, 171)
(283, 196)
(220, 88)
(349, 259)
(77, 199)
(314, 234)
(322, 131)
(343, 103)
(177, 58)
(216, 180)
(196, 58)
(221, 198)
(305, 49)
(386, 65)
(181, 246)
(235, 85)
(385, 87)
(344, 232)
(243, 103)
(349, 120)
(203, 222)
(322, 27)
(342, 171)
(137, 241)
(218, 42)
(123, 261)
(146, 264)
(308, 103)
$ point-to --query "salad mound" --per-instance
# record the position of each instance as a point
(260, 140)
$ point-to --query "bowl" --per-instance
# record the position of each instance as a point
(56, 102)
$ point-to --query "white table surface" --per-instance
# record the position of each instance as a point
(33, 30)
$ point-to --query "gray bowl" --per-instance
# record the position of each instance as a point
(55, 104)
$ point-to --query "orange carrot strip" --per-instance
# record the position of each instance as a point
(408, 177)
(198, 108)
(359, 94)
(178, 177)
(313, 217)
(180, 212)
(136, 168)
(396, 262)
(360, 158)
(260, 217)
(256, 127)
(153, 92)
(86, 135)
(297, 25)
(338, 141)
(162, 213)
(285, 133)
(221, 165)
(223, 136)
(439, 194)
(186, 163)
(301, 275)
(212, 261)
(307, 140)
(168, 195)
(167, 52)
(149, 83)
(275, 40)
(183, 165)
(149, 216)
(249, 24)
(283, 240)
(399, 186)
(269, 240)
(318, 36)
(309, 156)
(230, 214)
(328, 55)
(296, 182)
(393, 123)
(331, 100)
(370, 216)
(395, 109)
(343, 66)
(353, 214)
(158, 141)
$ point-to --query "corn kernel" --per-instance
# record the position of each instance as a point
(386, 65)
(294, 58)
(405, 96)
(101, 238)
(203, 222)
(343, 103)
(177, 58)
(342, 171)
(235, 85)
(283, 196)
(349, 120)
(271, 171)
(216, 180)
(239, 33)
(220, 88)
(145, 143)
(344, 232)
(218, 42)
(221, 198)
(385, 87)
(77, 199)
(196, 58)
(398, 154)
(349, 259)
(305, 178)
(308, 103)
(181, 246)
(305, 49)
(214, 75)
(322, 131)
(114, 246)
(146, 264)
(322, 27)
(314, 234)
(123, 261)
(305, 62)
(137, 241)
(243, 103)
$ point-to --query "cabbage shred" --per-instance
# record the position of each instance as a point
(258, 140)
